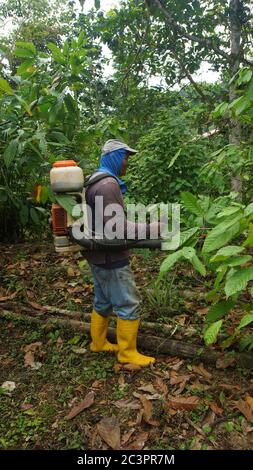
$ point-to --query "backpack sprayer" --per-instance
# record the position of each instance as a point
(67, 178)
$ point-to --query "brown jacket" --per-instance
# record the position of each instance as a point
(109, 189)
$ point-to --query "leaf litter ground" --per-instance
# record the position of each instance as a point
(56, 394)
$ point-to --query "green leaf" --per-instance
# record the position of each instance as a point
(222, 234)
(24, 214)
(244, 76)
(226, 252)
(60, 137)
(185, 236)
(22, 69)
(249, 239)
(10, 152)
(174, 158)
(237, 261)
(191, 204)
(29, 46)
(97, 4)
(220, 110)
(211, 334)
(246, 320)
(25, 49)
(34, 216)
(219, 310)
(240, 105)
(66, 201)
(238, 281)
(58, 56)
(71, 105)
(5, 87)
(3, 194)
(228, 211)
(170, 261)
(248, 210)
(190, 254)
(187, 253)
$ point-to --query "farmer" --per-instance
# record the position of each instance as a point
(114, 284)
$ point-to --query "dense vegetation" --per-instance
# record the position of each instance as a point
(194, 139)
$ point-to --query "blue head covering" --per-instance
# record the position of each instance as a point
(111, 163)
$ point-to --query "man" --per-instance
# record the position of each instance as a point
(114, 284)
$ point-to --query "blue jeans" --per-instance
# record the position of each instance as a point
(115, 290)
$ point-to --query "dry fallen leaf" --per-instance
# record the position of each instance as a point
(8, 297)
(208, 419)
(86, 403)
(109, 429)
(35, 305)
(97, 384)
(139, 443)
(215, 408)
(26, 406)
(202, 311)
(127, 403)
(147, 388)
(127, 436)
(202, 371)
(249, 400)
(224, 362)
(229, 386)
(183, 403)
(177, 365)
(161, 386)
(32, 347)
(121, 382)
(131, 367)
(245, 409)
(147, 411)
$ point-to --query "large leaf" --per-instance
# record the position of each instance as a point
(71, 105)
(222, 234)
(66, 201)
(185, 236)
(249, 239)
(170, 261)
(219, 310)
(25, 49)
(246, 320)
(190, 254)
(236, 261)
(5, 87)
(26, 66)
(57, 54)
(191, 203)
(187, 253)
(226, 252)
(10, 152)
(238, 281)
(210, 335)
(228, 211)
(249, 210)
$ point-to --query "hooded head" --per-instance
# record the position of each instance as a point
(113, 154)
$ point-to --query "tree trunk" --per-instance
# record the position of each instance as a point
(235, 132)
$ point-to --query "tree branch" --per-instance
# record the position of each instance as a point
(169, 20)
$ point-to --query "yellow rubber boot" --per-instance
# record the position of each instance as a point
(98, 331)
(127, 336)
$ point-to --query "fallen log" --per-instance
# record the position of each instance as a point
(147, 342)
(12, 306)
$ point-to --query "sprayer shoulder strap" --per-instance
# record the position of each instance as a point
(88, 182)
